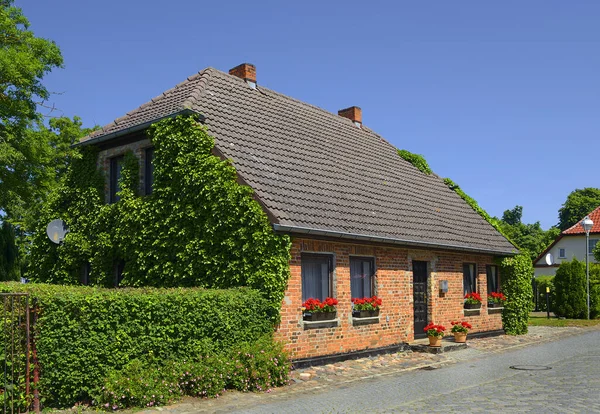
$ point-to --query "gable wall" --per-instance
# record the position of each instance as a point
(393, 284)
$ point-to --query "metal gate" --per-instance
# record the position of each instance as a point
(15, 353)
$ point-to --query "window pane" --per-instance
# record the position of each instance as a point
(315, 277)
(492, 279)
(591, 245)
(116, 165)
(469, 278)
(361, 277)
(149, 167)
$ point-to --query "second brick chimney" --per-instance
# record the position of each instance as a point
(354, 113)
(246, 71)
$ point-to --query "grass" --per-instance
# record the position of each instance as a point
(553, 321)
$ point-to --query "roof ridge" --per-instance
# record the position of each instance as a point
(197, 93)
(577, 226)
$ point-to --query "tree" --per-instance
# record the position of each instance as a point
(24, 60)
(513, 216)
(578, 204)
(528, 237)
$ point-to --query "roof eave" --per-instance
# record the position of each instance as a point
(389, 240)
(131, 130)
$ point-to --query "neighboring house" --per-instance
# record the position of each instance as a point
(363, 221)
(568, 245)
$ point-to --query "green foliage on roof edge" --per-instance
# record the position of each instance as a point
(416, 160)
(199, 227)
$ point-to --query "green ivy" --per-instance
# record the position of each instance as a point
(495, 223)
(199, 227)
(516, 273)
(416, 160)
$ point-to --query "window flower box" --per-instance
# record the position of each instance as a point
(314, 310)
(318, 316)
(365, 313)
(472, 301)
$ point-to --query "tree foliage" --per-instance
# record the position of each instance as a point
(24, 60)
(578, 204)
(199, 227)
(529, 237)
(9, 254)
(516, 273)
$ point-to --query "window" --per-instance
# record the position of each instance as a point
(118, 271)
(86, 269)
(316, 276)
(469, 278)
(362, 271)
(591, 245)
(493, 279)
(116, 165)
(149, 171)
(562, 253)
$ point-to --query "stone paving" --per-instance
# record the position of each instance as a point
(340, 375)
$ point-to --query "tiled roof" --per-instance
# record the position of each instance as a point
(316, 171)
(577, 229)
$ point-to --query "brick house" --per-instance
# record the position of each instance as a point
(363, 221)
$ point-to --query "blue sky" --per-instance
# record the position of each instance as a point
(502, 97)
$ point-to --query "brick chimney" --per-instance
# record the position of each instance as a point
(246, 71)
(354, 113)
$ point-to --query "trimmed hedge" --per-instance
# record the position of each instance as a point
(516, 273)
(83, 333)
(570, 288)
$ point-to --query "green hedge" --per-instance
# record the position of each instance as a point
(516, 273)
(83, 333)
(571, 292)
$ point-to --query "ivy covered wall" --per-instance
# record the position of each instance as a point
(199, 227)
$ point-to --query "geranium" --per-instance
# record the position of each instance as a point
(434, 330)
(315, 305)
(472, 298)
(458, 326)
(496, 297)
(366, 304)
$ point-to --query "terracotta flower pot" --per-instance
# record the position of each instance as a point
(460, 337)
(435, 341)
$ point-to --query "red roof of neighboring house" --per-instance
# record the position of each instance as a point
(577, 229)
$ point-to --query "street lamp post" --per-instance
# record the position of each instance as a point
(587, 225)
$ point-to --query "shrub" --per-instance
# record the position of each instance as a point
(571, 292)
(255, 366)
(543, 282)
(516, 273)
(84, 333)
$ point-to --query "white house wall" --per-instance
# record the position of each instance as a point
(574, 246)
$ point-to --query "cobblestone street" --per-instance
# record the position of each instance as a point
(391, 383)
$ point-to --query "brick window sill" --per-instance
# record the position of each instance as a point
(365, 321)
(334, 323)
(472, 312)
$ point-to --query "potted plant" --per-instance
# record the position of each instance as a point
(460, 331)
(472, 301)
(315, 310)
(496, 300)
(366, 307)
(435, 333)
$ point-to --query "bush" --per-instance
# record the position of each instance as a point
(254, 366)
(543, 282)
(516, 273)
(84, 333)
(571, 292)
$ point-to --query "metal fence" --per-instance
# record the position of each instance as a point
(15, 354)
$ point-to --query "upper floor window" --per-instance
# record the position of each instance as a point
(591, 244)
(562, 253)
(493, 279)
(317, 276)
(362, 271)
(116, 165)
(148, 171)
(470, 277)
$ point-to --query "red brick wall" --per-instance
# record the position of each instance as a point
(393, 284)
